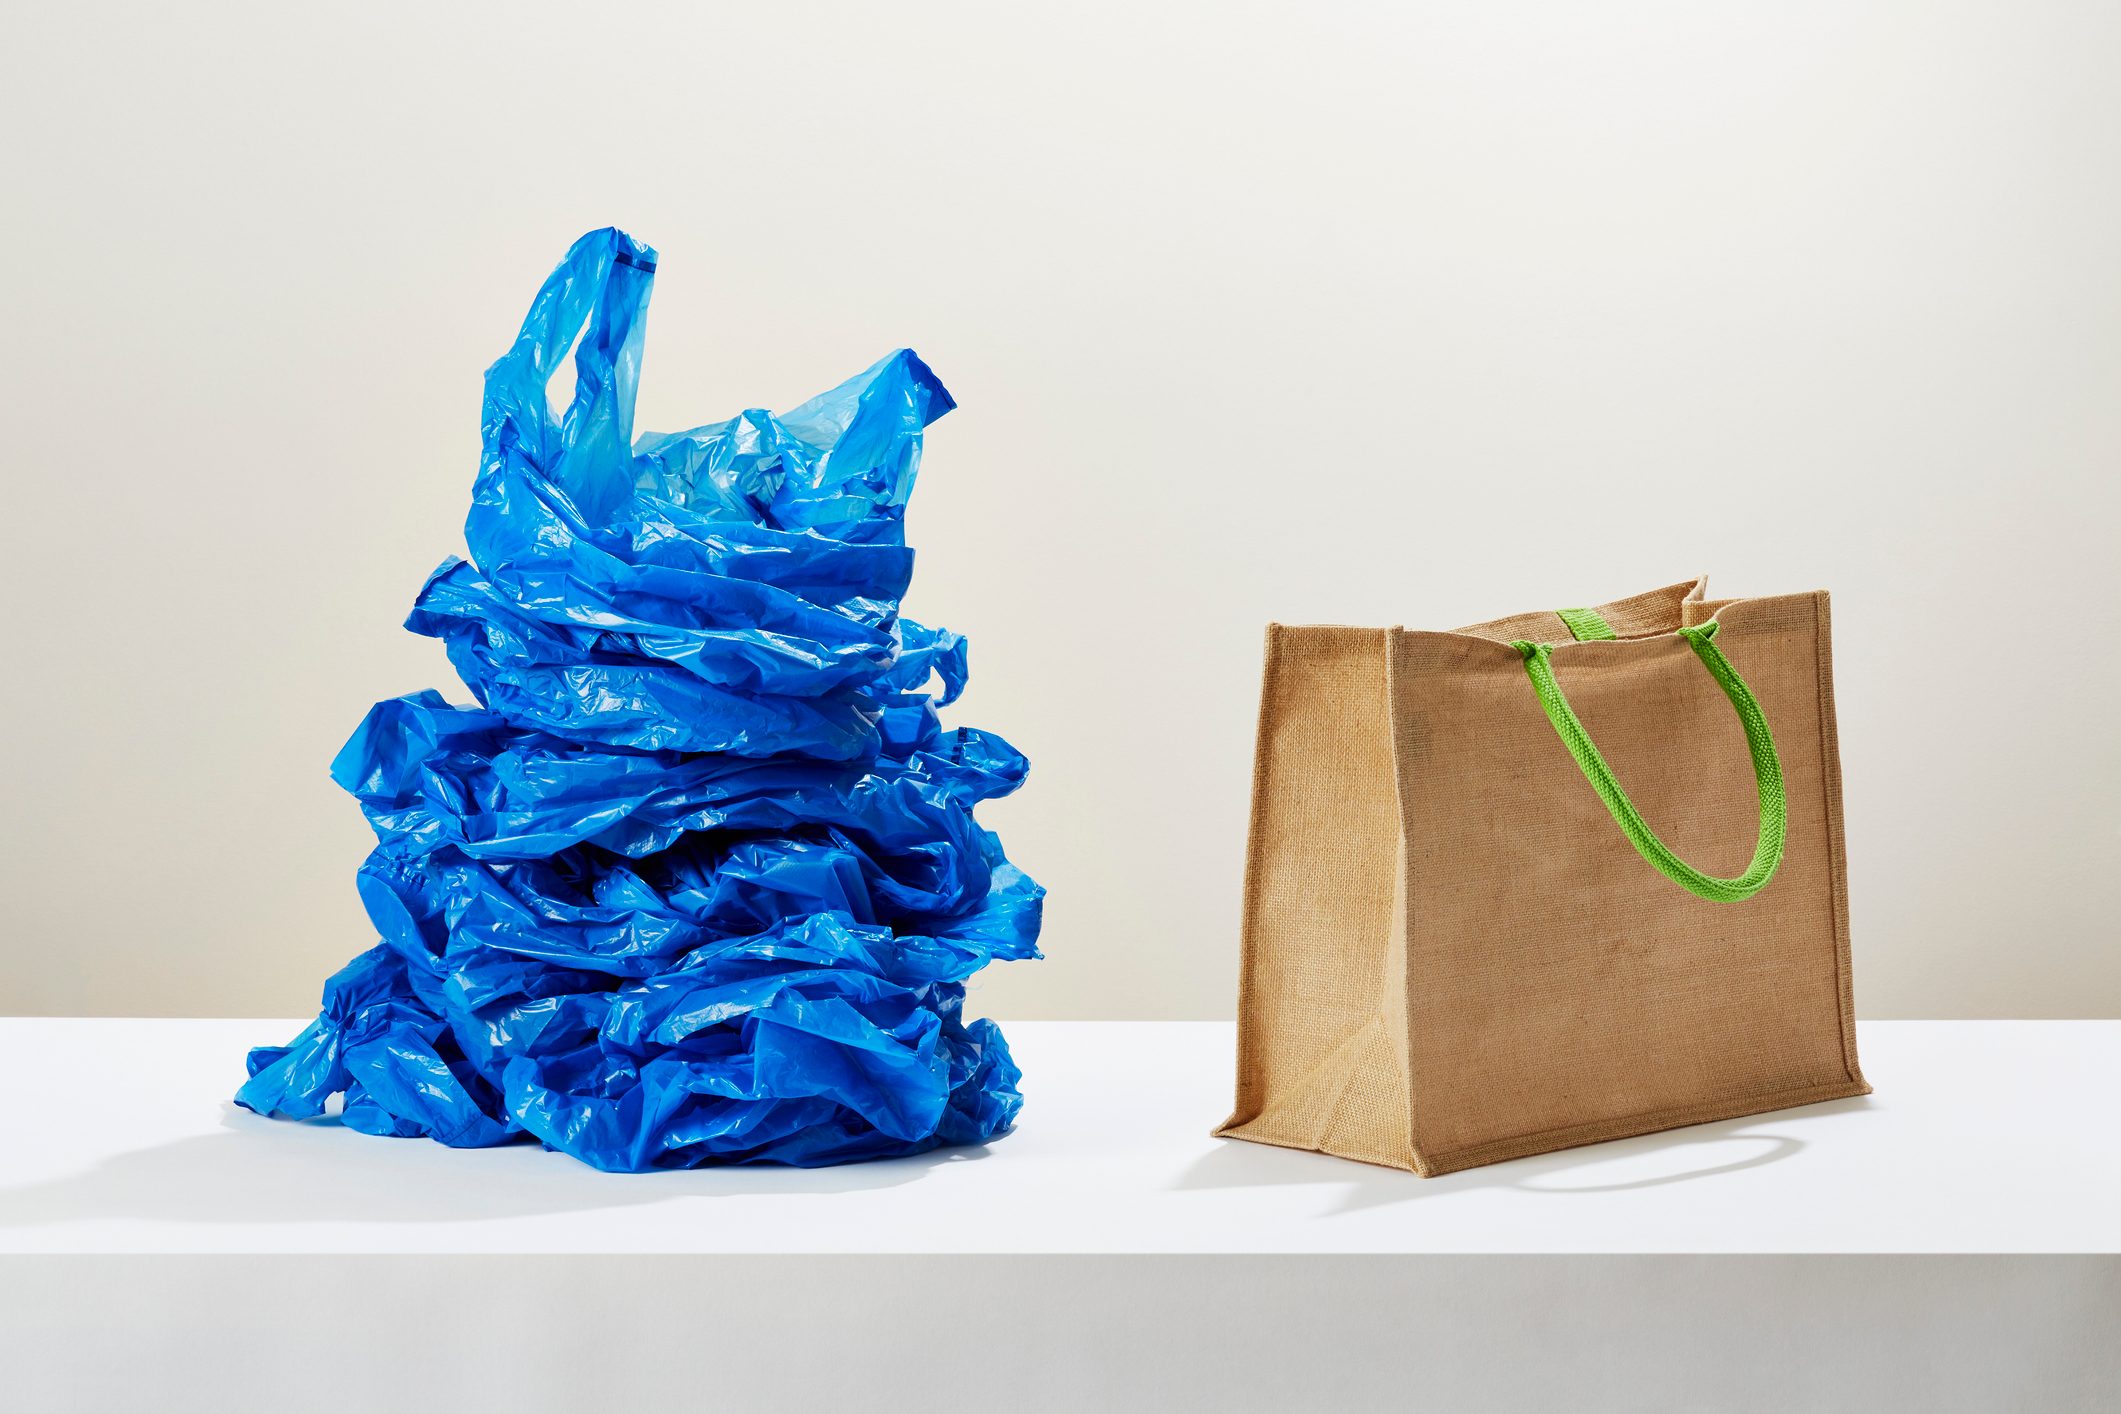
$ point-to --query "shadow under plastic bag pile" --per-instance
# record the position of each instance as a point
(699, 881)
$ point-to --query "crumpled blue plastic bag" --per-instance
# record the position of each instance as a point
(698, 880)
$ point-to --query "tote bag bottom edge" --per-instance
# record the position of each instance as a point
(1231, 1129)
(1434, 1165)
(1631, 1126)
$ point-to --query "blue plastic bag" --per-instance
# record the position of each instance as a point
(698, 881)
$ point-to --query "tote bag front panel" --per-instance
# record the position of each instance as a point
(1560, 989)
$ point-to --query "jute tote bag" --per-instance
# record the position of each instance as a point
(1550, 880)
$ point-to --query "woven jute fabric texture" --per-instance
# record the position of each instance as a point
(1454, 956)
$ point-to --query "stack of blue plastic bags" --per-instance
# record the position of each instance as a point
(698, 881)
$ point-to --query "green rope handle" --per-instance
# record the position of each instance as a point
(1767, 771)
(1585, 624)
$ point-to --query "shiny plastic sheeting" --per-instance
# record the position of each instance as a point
(698, 881)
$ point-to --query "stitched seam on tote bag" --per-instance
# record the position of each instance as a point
(1836, 848)
(1247, 1029)
(1395, 675)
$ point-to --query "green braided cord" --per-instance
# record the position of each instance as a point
(1585, 623)
(1767, 771)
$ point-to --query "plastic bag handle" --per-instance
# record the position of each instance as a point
(1767, 771)
(599, 293)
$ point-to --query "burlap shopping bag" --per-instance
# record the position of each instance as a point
(1498, 898)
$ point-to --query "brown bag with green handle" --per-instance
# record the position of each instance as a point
(1545, 881)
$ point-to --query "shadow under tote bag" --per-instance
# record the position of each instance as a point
(1550, 880)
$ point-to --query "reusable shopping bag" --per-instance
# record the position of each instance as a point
(1545, 881)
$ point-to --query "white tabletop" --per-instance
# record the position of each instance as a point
(1984, 1136)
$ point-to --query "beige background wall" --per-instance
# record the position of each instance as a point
(1388, 313)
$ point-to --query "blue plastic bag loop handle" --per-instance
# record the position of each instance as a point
(596, 302)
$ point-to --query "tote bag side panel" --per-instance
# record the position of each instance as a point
(1321, 1020)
